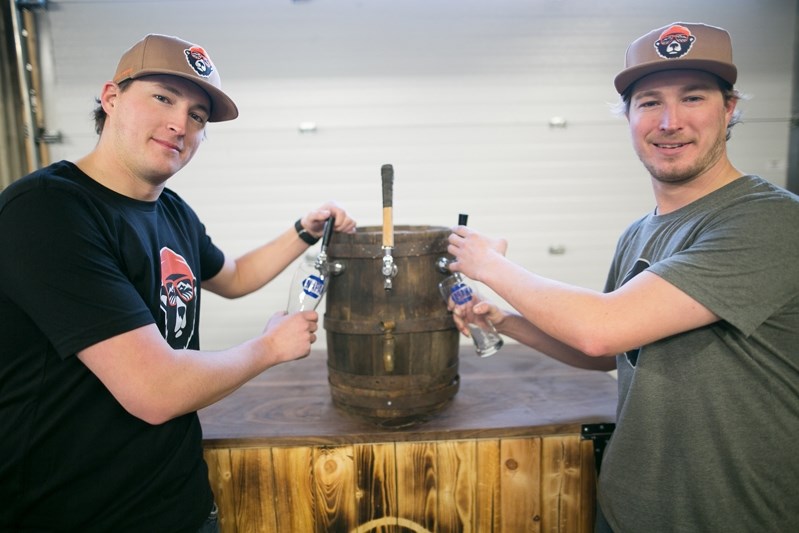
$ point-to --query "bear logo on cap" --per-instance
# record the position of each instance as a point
(675, 42)
(199, 61)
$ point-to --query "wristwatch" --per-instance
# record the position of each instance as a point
(303, 234)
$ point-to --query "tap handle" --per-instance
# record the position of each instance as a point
(329, 223)
(387, 175)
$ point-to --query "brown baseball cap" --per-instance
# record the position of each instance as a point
(163, 54)
(680, 45)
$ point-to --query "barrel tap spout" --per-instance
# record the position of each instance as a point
(389, 269)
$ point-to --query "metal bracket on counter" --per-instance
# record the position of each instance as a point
(600, 434)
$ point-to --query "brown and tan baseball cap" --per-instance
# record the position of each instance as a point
(680, 45)
(164, 54)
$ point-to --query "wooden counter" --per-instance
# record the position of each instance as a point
(506, 455)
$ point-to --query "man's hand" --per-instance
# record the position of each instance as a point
(290, 337)
(314, 221)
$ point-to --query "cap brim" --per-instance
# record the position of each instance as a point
(626, 78)
(222, 107)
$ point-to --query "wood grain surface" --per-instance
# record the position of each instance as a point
(515, 392)
(506, 455)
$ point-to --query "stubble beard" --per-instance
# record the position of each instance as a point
(675, 173)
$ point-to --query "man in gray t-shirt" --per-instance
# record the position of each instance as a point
(700, 314)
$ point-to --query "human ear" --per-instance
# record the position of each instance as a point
(109, 96)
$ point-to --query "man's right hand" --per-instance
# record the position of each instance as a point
(290, 337)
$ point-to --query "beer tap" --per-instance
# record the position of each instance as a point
(443, 262)
(389, 269)
(321, 262)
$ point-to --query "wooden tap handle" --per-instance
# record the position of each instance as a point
(387, 175)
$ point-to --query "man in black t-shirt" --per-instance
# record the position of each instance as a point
(101, 373)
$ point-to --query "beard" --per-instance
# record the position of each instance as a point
(681, 172)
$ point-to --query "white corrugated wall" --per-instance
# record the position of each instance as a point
(456, 95)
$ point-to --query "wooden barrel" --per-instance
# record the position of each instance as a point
(392, 354)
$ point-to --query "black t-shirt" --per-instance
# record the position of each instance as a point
(80, 264)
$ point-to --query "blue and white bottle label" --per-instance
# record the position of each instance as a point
(313, 286)
(461, 293)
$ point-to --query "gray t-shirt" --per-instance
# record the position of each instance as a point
(707, 433)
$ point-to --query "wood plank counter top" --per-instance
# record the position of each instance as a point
(517, 392)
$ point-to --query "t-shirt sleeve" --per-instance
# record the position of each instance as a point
(212, 259)
(744, 265)
(61, 269)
